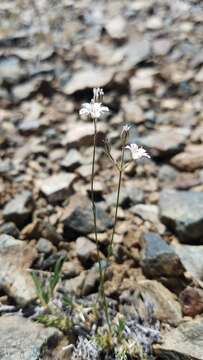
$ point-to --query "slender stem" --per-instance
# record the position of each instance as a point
(110, 248)
(101, 275)
(92, 197)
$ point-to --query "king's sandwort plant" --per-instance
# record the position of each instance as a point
(94, 111)
(95, 328)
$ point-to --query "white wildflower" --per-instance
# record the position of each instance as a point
(94, 109)
(137, 152)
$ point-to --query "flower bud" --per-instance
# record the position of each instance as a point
(125, 132)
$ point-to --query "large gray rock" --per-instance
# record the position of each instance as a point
(74, 285)
(159, 258)
(5, 166)
(24, 89)
(86, 250)
(182, 211)
(78, 218)
(81, 134)
(57, 187)
(15, 259)
(149, 212)
(7, 241)
(72, 160)
(11, 70)
(19, 208)
(129, 196)
(136, 51)
(165, 305)
(9, 228)
(166, 141)
(83, 79)
(22, 339)
(183, 343)
(191, 257)
(44, 246)
(167, 175)
(83, 284)
(29, 126)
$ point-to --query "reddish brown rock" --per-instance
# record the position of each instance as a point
(189, 160)
(192, 301)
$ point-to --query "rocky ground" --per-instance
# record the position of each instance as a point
(148, 57)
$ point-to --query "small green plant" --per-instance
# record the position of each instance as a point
(60, 321)
(68, 301)
(127, 349)
(119, 345)
(120, 327)
(104, 341)
(45, 292)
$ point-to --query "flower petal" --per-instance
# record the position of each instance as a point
(128, 147)
(83, 111)
(87, 106)
(104, 108)
(136, 152)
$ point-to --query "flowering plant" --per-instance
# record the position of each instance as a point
(94, 111)
(108, 334)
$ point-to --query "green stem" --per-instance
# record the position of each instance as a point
(110, 248)
(101, 275)
(92, 198)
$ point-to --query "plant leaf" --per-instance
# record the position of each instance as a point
(41, 293)
(55, 277)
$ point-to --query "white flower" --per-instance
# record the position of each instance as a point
(137, 152)
(93, 109)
